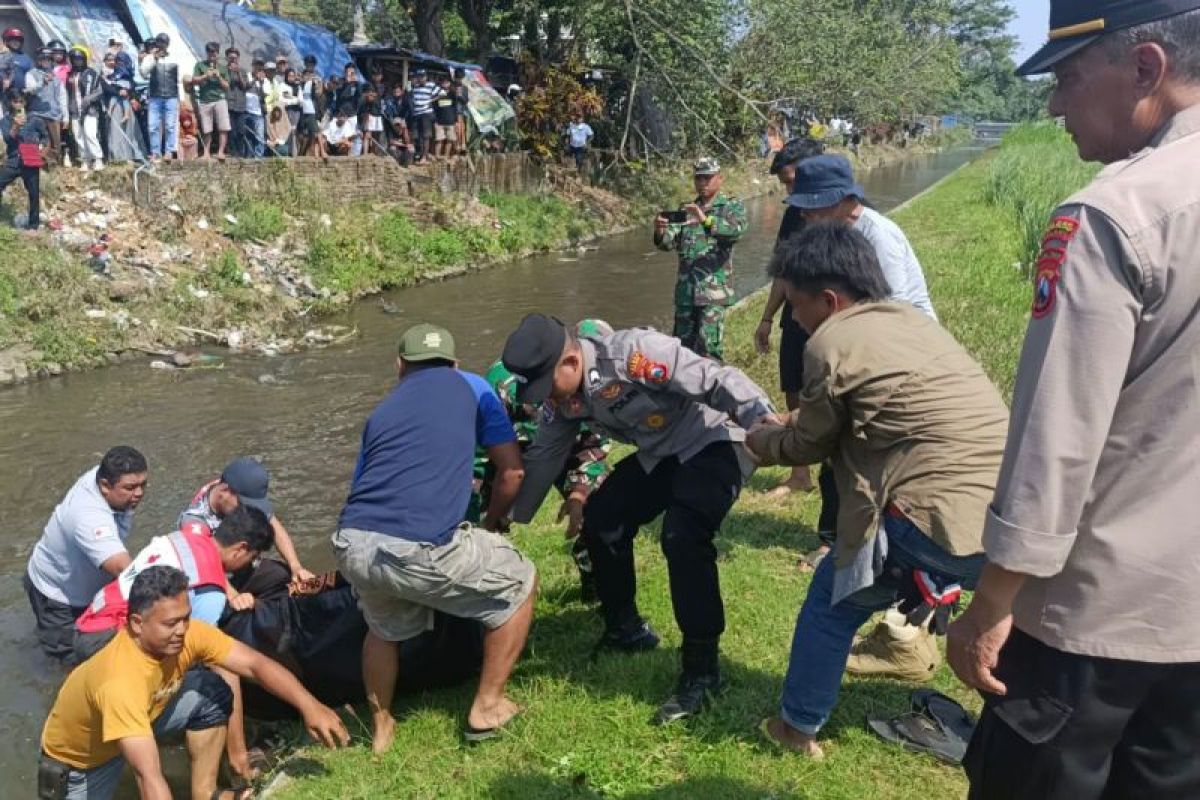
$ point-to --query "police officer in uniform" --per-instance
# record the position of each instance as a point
(712, 223)
(688, 417)
(1084, 634)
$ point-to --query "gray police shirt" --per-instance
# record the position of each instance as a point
(646, 389)
(83, 533)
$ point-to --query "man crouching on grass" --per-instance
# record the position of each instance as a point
(915, 432)
(149, 681)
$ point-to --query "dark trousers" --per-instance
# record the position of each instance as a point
(422, 132)
(32, 178)
(55, 621)
(238, 134)
(693, 498)
(827, 521)
(1075, 727)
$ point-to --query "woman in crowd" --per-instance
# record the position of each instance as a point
(124, 136)
(85, 95)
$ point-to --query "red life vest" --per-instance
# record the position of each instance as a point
(197, 555)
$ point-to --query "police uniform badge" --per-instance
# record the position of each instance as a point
(643, 369)
(1048, 268)
(611, 391)
(655, 421)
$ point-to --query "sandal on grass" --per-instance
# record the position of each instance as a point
(920, 733)
(956, 719)
(473, 735)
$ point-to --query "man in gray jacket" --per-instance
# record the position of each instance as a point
(688, 417)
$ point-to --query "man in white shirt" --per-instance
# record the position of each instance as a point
(341, 136)
(824, 190)
(83, 546)
(579, 136)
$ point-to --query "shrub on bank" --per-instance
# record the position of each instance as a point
(1036, 168)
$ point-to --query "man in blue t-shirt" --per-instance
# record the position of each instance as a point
(401, 539)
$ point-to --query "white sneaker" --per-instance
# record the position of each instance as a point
(97, 165)
(82, 167)
(66, 160)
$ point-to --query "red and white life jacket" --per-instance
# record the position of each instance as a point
(197, 555)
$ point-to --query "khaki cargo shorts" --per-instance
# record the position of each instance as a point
(445, 133)
(476, 575)
(214, 113)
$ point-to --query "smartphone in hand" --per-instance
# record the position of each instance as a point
(675, 217)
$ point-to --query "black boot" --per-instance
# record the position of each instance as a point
(636, 637)
(587, 581)
(699, 683)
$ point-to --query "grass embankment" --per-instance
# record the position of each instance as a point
(56, 314)
(584, 733)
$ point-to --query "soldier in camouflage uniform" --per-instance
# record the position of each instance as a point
(704, 287)
(585, 469)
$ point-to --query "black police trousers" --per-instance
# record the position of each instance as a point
(1075, 727)
(693, 497)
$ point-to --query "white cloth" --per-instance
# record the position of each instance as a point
(83, 533)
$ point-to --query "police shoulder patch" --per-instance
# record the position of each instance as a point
(643, 369)
(1050, 261)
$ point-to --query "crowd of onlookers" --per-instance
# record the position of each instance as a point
(139, 107)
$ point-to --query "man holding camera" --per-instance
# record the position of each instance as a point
(162, 97)
(704, 232)
(210, 79)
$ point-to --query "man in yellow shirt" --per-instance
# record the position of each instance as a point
(149, 681)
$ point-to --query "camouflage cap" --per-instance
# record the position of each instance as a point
(706, 166)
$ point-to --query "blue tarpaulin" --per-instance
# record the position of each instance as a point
(190, 24)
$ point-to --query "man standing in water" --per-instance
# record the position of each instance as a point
(704, 236)
(83, 546)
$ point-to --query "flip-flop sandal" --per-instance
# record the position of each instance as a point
(953, 717)
(919, 733)
(473, 735)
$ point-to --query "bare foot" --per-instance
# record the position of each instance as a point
(810, 561)
(799, 481)
(494, 716)
(385, 732)
(789, 738)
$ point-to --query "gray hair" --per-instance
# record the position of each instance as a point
(1178, 35)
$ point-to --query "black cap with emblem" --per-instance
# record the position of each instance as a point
(531, 354)
(1074, 24)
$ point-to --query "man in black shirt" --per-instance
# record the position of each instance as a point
(445, 120)
(792, 337)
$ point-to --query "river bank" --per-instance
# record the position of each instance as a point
(585, 731)
(263, 270)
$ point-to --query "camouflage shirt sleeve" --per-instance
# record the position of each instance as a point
(728, 222)
(587, 465)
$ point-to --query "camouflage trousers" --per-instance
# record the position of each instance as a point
(701, 329)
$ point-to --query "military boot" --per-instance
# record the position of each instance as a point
(895, 649)
(698, 684)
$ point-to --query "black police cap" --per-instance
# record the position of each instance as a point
(531, 354)
(1074, 24)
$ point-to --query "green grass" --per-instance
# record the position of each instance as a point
(1036, 168)
(585, 731)
(362, 252)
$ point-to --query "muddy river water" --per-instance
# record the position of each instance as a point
(302, 413)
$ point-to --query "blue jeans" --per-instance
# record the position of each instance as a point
(256, 131)
(204, 701)
(160, 110)
(824, 632)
